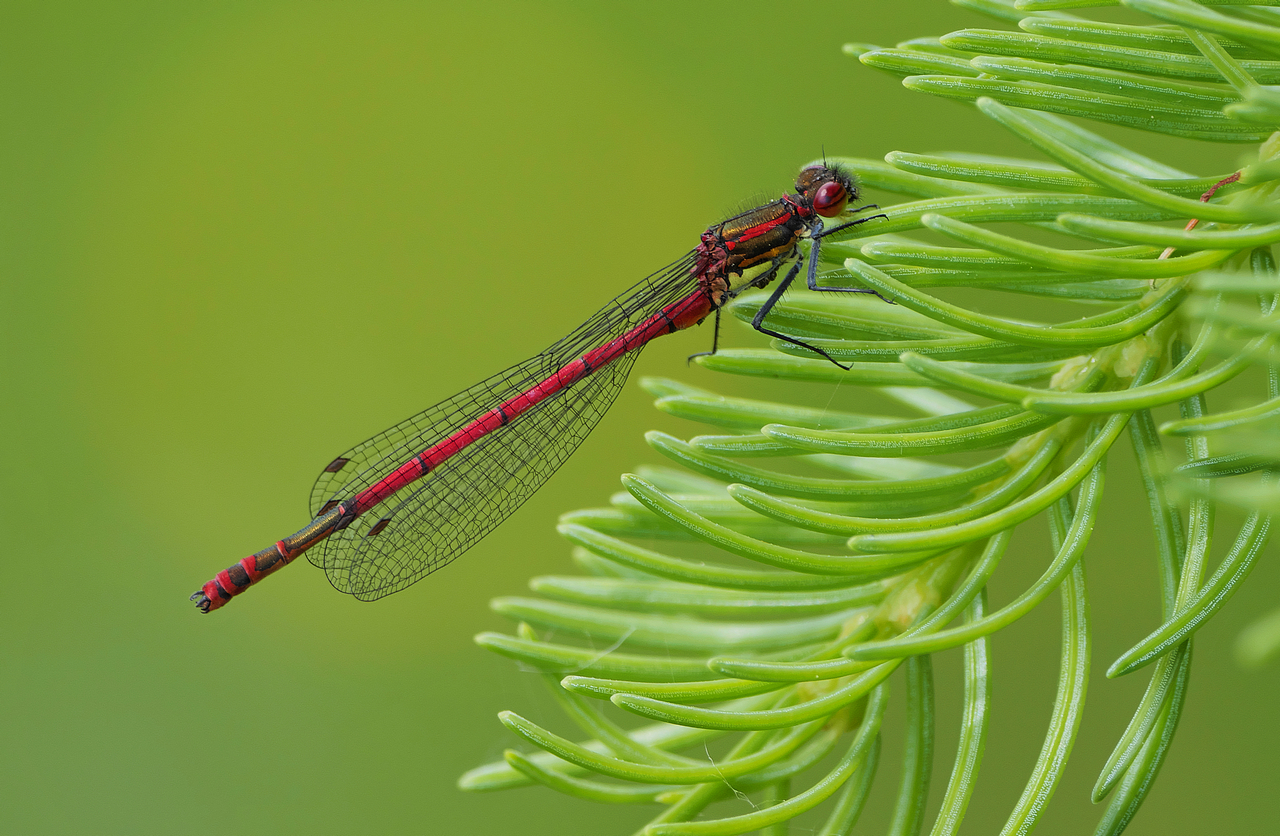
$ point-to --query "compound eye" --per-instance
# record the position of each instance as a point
(830, 199)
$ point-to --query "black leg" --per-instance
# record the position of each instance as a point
(817, 248)
(813, 278)
(759, 281)
(715, 339)
(756, 323)
(854, 222)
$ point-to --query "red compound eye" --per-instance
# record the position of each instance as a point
(830, 199)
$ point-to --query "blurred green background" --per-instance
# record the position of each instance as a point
(239, 237)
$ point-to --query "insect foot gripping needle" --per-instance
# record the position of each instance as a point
(409, 500)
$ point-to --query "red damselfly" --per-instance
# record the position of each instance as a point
(397, 507)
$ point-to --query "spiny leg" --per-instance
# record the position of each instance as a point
(768, 306)
(814, 250)
(759, 281)
(855, 222)
(715, 339)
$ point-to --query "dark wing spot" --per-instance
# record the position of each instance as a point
(336, 465)
(378, 526)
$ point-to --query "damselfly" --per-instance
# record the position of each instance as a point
(409, 500)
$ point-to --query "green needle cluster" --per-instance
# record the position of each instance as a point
(743, 609)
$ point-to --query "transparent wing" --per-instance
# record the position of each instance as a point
(431, 522)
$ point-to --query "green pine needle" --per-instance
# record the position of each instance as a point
(834, 547)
